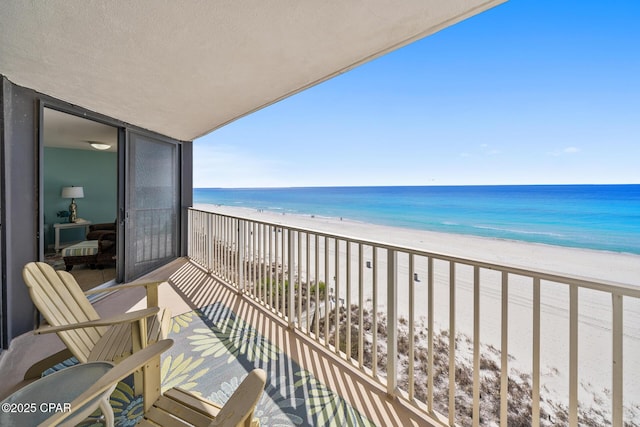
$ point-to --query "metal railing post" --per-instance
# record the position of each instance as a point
(291, 275)
(190, 215)
(210, 243)
(392, 323)
(240, 249)
(617, 410)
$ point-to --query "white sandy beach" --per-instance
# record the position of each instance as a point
(594, 307)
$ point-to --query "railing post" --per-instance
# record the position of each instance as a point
(392, 323)
(535, 381)
(504, 351)
(452, 343)
(240, 248)
(211, 240)
(476, 347)
(430, 314)
(617, 328)
(573, 355)
(291, 275)
(190, 233)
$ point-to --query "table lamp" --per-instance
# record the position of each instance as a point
(73, 193)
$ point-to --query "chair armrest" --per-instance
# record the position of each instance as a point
(151, 287)
(122, 318)
(121, 287)
(123, 369)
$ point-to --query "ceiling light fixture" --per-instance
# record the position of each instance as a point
(100, 145)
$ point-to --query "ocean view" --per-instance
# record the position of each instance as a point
(601, 217)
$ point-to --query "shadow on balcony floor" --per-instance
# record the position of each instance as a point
(245, 326)
(219, 336)
(215, 349)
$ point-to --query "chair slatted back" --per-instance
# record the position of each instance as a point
(61, 301)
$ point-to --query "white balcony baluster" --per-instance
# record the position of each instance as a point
(276, 265)
(392, 323)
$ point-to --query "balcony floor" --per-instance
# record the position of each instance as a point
(189, 288)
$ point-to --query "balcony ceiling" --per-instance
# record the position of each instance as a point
(183, 69)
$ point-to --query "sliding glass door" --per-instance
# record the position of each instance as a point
(152, 204)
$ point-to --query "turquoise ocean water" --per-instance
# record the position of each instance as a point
(603, 217)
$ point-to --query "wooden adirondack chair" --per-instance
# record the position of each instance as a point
(176, 407)
(65, 307)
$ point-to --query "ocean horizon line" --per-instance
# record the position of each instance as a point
(601, 216)
(416, 185)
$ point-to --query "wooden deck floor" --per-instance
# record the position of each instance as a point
(187, 288)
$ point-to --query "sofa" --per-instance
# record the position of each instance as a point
(96, 230)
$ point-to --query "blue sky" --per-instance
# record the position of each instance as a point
(530, 92)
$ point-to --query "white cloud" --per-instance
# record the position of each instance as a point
(567, 150)
(490, 151)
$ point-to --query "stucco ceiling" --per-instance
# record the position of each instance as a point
(185, 68)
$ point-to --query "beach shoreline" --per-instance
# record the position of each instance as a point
(608, 266)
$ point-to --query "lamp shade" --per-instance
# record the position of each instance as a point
(72, 192)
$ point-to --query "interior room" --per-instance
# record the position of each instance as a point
(79, 209)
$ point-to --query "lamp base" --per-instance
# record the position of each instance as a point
(73, 211)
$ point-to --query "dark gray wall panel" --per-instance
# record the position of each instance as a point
(20, 204)
(187, 191)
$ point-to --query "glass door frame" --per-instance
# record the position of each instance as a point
(88, 115)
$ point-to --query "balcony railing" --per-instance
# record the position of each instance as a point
(401, 316)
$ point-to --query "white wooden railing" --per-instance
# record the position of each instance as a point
(409, 312)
